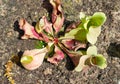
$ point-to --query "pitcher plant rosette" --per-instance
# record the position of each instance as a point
(76, 41)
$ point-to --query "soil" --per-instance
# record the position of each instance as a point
(108, 42)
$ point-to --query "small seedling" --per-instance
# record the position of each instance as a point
(73, 41)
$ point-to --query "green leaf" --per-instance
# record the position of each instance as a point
(78, 34)
(85, 25)
(26, 59)
(51, 52)
(82, 15)
(99, 60)
(39, 25)
(92, 50)
(38, 30)
(97, 19)
(92, 34)
(72, 32)
(40, 44)
(81, 64)
(84, 22)
(81, 35)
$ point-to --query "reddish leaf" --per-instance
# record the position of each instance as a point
(57, 15)
(29, 31)
(57, 57)
(43, 24)
(72, 44)
(37, 56)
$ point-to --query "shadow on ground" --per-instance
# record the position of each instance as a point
(114, 50)
(16, 28)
